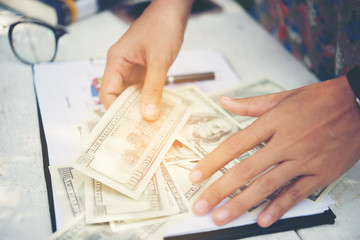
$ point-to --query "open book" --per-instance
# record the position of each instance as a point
(69, 105)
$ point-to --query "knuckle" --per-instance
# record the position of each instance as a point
(152, 93)
(112, 52)
(232, 146)
(244, 171)
(279, 208)
(293, 194)
(101, 95)
(239, 206)
(214, 192)
(266, 184)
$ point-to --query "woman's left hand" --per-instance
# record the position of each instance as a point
(312, 133)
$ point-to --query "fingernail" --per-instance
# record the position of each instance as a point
(200, 207)
(222, 215)
(226, 98)
(150, 111)
(266, 219)
(195, 176)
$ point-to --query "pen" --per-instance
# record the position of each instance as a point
(183, 78)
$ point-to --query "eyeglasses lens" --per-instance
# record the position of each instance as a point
(33, 42)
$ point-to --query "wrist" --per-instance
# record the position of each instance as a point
(175, 10)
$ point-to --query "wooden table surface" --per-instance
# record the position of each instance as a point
(253, 53)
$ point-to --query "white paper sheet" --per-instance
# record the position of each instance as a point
(194, 224)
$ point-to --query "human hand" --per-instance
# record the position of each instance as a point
(311, 132)
(145, 53)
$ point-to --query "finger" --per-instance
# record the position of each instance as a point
(255, 192)
(253, 106)
(112, 82)
(239, 175)
(288, 198)
(230, 149)
(152, 90)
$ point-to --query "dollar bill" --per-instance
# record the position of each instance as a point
(79, 229)
(192, 191)
(180, 153)
(124, 150)
(104, 204)
(180, 200)
(318, 195)
(180, 172)
(69, 190)
(257, 88)
(208, 124)
(314, 198)
(205, 129)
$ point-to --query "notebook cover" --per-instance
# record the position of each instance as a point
(327, 217)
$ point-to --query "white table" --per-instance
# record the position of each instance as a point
(254, 54)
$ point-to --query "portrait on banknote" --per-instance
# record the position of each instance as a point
(208, 129)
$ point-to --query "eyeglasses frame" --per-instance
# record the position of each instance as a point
(58, 32)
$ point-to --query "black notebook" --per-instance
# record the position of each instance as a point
(328, 217)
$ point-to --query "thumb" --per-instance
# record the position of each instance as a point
(112, 84)
(253, 106)
(152, 90)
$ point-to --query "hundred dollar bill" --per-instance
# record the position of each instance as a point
(124, 150)
(208, 124)
(257, 88)
(192, 191)
(180, 172)
(78, 229)
(315, 197)
(180, 153)
(206, 128)
(69, 190)
(104, 204)
(319, 194)
(180, 201)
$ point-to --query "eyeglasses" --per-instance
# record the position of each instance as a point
(33, 41)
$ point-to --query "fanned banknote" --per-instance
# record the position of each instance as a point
(253, 89)
(190, 190)
(78, 229)
(208, 124)
(124, 150)
(104, 204)
(318, 195)
(180, 200)
(69, 189)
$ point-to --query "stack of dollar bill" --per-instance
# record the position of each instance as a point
(129, 179)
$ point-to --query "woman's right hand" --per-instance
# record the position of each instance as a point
(145, 53)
